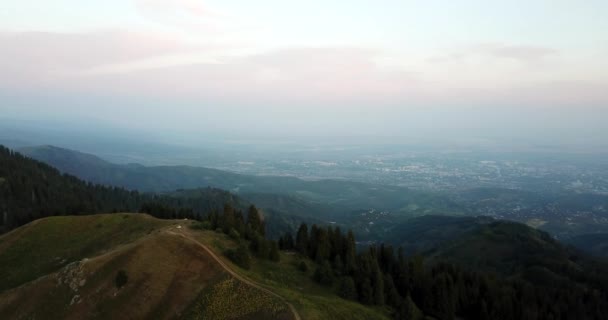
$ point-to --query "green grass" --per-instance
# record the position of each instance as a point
(229, 298)
(310, 299)
(42, 247)
(47, 245)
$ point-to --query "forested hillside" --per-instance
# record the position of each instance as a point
(30, 189)
(492, 270)
(474, 268)
(498, 270)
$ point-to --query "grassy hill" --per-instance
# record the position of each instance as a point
(67, 268)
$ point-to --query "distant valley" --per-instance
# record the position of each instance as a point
(372, 210)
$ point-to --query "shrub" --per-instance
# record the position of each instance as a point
(324, 274)
(240, 256)
(201, 225)
(234, 234)
(121, 279)
(347, 288)
(274, 252)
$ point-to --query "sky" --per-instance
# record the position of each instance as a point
(521, 69)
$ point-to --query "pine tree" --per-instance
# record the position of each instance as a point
(408, 310)
(274, 252)
(347, 288)
(442, 297)
(378, 287)
(260, 247)
(228, 218)
(338, 266)
(323, 245)
(289, 243)
(254, 221)
(324, 274)
(390, 291)
(302, 239)
(366, 292)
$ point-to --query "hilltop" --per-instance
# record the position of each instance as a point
(68, 268)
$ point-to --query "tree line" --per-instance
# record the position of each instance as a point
(384, 276)
(381, 275)
(248, 230)
(30, 190)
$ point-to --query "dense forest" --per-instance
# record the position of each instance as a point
(30, 190)
(414, 287)
(382, 275)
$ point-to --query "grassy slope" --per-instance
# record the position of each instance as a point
(161, 270)
(46, 245)
(233, 299)
(46, 267)
(311, 300)
(167, 273)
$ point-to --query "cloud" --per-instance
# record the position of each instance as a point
(190, 15)
(297, 75)
(123, 63)
(526, 54)
(36, 56)
(522, 53)
(189, 7)
(127, 63)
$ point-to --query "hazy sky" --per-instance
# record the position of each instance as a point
(383, 67)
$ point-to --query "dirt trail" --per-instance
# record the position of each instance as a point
(181, 232)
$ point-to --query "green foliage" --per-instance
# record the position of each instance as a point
(444, 291)
(324, 274)
(260, 247)
(199, 226)
(312, 301)
(31, 190)
(274, 254)
(254, 221)
(347, 288)
(442, 299)
(408, 310)
(286, 242)
(302, 239)
(235, 235)
(240, 256)
(231, 299)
